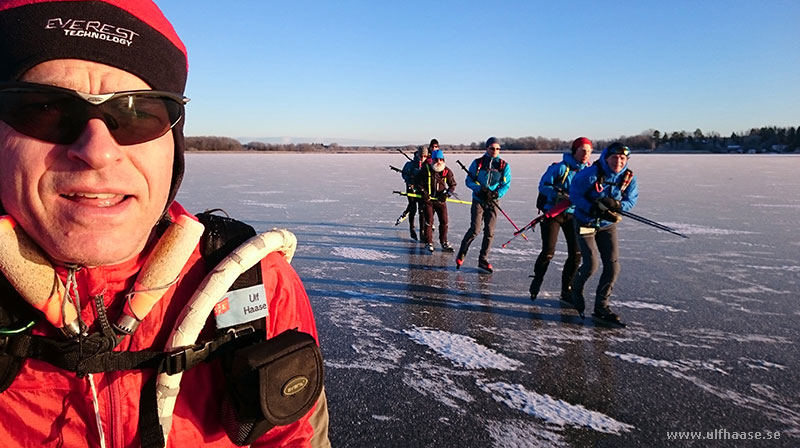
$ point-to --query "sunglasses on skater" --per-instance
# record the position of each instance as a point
(59, 115)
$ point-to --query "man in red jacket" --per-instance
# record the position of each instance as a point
(90, 176)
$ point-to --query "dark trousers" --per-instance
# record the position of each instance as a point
(440, 208)
(413, 205)
(549, 228)
(605, 243)
(487, 214)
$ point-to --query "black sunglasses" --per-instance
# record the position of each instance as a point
(59, 115)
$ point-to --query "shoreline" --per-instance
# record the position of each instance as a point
(505, 152)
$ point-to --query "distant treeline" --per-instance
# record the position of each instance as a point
(757, 140)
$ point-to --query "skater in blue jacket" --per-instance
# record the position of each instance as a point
(599, 193)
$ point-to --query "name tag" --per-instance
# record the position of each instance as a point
(241, 306)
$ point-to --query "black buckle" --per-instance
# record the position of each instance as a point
(185, 358)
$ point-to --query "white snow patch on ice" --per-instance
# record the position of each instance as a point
(774, 411)
(683, 365)
(754, 289)
(767, 391)
(263, 192)
(775, 268)
(379, 367)
(383, 418)
(373, 349)
(724, 336)
(321, 201)
(507, 251)
(643, 360)
(436, 381)
(262, 204)
(668, 340)
(545, 341)
(553, 411)
(461, 350)
(714, 300)
(355, 233)
(693, 229)
(360, 254)
(761, 364)
(523, 434)
(776, 205)
(648, 306)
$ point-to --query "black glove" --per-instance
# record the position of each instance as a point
(483, 195)
(600, 210)
(611, 204)
(595, 211)
(560, 196)
(493, 195)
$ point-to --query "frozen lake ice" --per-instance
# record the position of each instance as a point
(420, 354)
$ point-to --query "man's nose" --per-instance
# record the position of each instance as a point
(95, 146)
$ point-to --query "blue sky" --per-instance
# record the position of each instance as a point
(381, 72)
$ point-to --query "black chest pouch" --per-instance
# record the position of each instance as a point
(270, 383)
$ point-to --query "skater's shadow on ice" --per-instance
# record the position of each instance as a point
(297, 226)
(430, 296)
(383, 264)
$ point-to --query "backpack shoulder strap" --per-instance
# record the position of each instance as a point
(223, 234)
(627, 177)
(479, 161)
(566, 174)
(17, 318)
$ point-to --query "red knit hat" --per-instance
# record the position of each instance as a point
(580, 141)
(132, 35)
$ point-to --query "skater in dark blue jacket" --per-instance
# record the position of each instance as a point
(554, 188)
(599, 193)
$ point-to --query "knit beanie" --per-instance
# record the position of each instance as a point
(491, 141)
(132, 35)
(580, 141)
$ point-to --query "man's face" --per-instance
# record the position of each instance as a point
(583, 153)
(617, 162)
(423, 154)
(493, 150)
(91, 202)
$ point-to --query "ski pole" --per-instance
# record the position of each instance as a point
(645, 220)
(394, 168)
(414, 195)
(403, 153)
(652, 223)
(474, 179)
(530, 225)
(555, 211)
